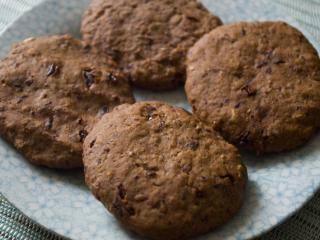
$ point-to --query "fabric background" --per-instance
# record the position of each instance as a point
(304, 225)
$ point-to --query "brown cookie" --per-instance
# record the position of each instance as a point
(257, 83)
(161, 172)
(52, 91)
(149, 39)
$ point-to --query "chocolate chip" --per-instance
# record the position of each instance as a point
(82, 134)
(250, 92)
(269, 70)
(151, 174)
(120, 209)
(149, 41)
(186, 168)
(237, 105)
(136, 177)
(121, 191)
(193, 145)
(162, 125)
(52, 70)
(17, 83)
(103, 110)
(192, 18)
(49, 123)
(20, 99)
(2, 108)
(261, 64)
(243, 32)
(112, 78)
(88, 77)
(80, 121)
(87, 48)
(92, 143)
(148, 112)
(115, 99)
(115, 54)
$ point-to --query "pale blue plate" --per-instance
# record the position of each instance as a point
(278, 184)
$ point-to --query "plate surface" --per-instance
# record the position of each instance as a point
(278, 184)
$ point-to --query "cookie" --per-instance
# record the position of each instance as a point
(149, 39)
(256, 83)
(161, 172)
(52, 91)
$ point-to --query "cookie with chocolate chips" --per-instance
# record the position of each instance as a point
(149, 39)
(53, 90)
(161, 172)
(256, 83)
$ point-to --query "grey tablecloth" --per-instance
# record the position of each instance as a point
(304, 225)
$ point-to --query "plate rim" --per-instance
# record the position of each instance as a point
(293, 22)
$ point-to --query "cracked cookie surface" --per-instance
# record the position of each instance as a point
(163, 173)
(257, 83)
(149, 39)
(52, 91)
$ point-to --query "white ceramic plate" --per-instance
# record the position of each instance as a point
(278, 184)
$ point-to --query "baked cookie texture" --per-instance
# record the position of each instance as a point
(161, 172)
(52, 91)
(149, 39)
(256, 83)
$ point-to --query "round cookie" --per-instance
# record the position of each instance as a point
(149, 39)
(256, 83)
(161, 172)
(52, 91)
